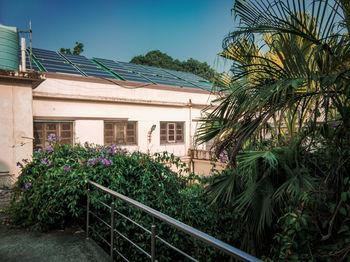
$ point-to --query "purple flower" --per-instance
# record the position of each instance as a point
(45, 161)
(48, 149)
(111, 150)
(223, 157)
(92, 161)
(333, 124)
(92, 151)
(19, 164)
(67, 168)
(106, 162)
(27, 185)
(52, 138)
(207, 176)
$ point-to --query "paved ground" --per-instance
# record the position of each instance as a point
(58, 246)
(4, 198)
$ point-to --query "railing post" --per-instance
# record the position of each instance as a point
(153, 242)
(87, 211)
(112, 229)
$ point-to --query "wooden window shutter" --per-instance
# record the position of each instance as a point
(171, 132)
(109, 133)
(131, 133)
(62, 130)
(66, 133)
(179, 132)
(39, 137)
(163, 132)
(120, 133)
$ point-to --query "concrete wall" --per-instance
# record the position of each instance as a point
(16, 128)
(90, 104)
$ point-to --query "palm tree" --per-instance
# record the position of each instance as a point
(305, 68)
(290, 78)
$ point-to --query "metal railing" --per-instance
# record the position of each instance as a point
(232, 252)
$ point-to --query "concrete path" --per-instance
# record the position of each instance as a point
(56, 246)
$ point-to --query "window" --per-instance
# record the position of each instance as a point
(120, 133)
(62, 130)
(171, 132)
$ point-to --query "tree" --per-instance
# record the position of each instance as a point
(284, 120)
(77, 50)
(158, 59)
(307, 62)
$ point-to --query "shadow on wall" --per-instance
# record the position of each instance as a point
(5, 176)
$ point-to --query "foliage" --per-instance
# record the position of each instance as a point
(51, 193)
(283, 117)
(158, 59)
(77, 50)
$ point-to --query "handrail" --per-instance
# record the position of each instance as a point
(231, 251)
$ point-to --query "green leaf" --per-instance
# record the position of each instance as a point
(344, 196)
(342, 211)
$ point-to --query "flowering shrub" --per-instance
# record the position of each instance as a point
(51, 193)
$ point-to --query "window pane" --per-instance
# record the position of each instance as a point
(51, 126)
(38, 126)
(65, 126)
(65, 134)
(120, 132)
(62, 130)
(108, 126)
(179, 138)
(109, 133)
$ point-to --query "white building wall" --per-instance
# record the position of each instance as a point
(16, 129)
(90, 104)
(90, 131)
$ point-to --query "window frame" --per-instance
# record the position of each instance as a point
(175, 134)
(58, 131)
(124, 125)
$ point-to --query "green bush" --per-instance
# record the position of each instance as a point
(51, 193)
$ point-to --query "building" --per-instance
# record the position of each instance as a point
(97, 101)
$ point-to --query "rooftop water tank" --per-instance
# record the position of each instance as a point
(9, 48)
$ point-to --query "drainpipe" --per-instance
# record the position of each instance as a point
(23, 54)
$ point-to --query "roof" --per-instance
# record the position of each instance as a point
(57, 62)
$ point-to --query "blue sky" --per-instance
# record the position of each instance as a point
(121, 29)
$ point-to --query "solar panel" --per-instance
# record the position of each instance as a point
(95, 71)
(170, 81)
(185, 75)
(130, 76)
(203, 85)
(50, 66)
(134, 67)
(110, 64)
(32, 65)
(78, 60)
(157, 71)
(88, 67)
(42, 54)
